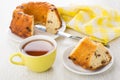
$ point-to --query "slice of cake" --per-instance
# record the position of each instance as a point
(90, 55)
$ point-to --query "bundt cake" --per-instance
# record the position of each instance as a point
(27, 15)
(90, 55)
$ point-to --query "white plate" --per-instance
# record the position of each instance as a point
(79, 70)
(36, 32)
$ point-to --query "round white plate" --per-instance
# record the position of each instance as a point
(79, 70)
(36, 32)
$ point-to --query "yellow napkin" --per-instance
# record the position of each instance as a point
(100, 24)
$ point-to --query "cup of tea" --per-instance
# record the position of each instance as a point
(37, 53)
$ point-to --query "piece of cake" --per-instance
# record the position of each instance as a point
(27, 15)
(90, 55)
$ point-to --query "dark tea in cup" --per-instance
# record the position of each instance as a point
(38, 47)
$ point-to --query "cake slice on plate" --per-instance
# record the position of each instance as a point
(90, 55)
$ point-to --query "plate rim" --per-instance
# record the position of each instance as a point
(86, 73)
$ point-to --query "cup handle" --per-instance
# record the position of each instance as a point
(15, 62)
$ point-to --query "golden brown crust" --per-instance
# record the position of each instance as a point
(34, 13)
(21, 24)
(82, 52)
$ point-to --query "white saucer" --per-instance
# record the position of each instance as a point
(37, 32)
(79, 70)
